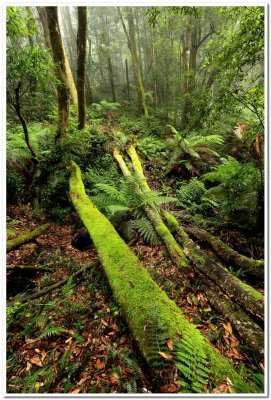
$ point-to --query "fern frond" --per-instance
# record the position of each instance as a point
(146, 230)
(51, 331)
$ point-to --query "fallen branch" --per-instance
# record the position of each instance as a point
(228, 255)
(31, 296)
(151, 316)
(14, 244)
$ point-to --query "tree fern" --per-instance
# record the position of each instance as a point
(146, 230)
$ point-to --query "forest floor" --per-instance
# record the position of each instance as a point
(81, 343)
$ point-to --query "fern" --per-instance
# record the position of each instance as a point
(52, 330)
(190, 359)
(146, 230)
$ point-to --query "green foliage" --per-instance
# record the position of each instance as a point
(190, 359)
(126, 201)
(189, 150)
(237, 191)
(152, 148)
(51, 330)
(11, 223)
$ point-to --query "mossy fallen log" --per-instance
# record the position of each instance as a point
(151, 316)
(242, 293)
(14, 244)
(254, 267)
(248, 331)
(249, 298)
(161, 229)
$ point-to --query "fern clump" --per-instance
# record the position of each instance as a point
(126, 203)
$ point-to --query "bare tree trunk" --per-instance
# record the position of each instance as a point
(127, 79)
(61, 73)
(81, 65)
(111, 78)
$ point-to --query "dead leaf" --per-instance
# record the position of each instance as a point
(43, 355)
(99, 364)
(28, 366)
(170, 388)
(35, 360)
(104, 322)
(170, 344)
(114, 378)
(165, 355)
(75, 391)
(228, 327)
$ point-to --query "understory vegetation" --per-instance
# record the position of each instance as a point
(137, 134)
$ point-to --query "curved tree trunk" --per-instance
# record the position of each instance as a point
(81, 65)
(242, 293)
(151, 316)
(227, 254)
(14, 244)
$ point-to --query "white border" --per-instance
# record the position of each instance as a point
(104, 3)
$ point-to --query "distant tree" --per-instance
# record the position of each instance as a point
(81, 65)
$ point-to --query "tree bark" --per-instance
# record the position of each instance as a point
(28, 268)
(144, 305)
(14, 244)
(81, 65)
(61, 73)
(253, 267)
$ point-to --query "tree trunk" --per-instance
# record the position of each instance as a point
(61, 73)
(81, 65)
(130, 35)
(14, 244)
(162, 231)
(253, 267)
(249, 298)
(111, 79)
(248, 331)
(151, 316)
(127, 79)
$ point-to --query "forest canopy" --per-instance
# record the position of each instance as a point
(135, 199)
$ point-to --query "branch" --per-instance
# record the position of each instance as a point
(211, 31)
(27, 297)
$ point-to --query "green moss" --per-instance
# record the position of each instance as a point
(13, 244)
(140, 298)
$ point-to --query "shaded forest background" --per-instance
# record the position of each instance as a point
(184, 88)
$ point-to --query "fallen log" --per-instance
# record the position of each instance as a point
(161, 229)
(14, 244)
(247, 330)
(22, 298)
(151, 316)
(242, 293)
(227, 254)
(248, 297)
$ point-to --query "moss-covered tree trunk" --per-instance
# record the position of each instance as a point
(162, 231)
(14, 244)
(81, 65)
(63, 92)
(249, 298)
(253, 267)
(242, 293)
(151, 316)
